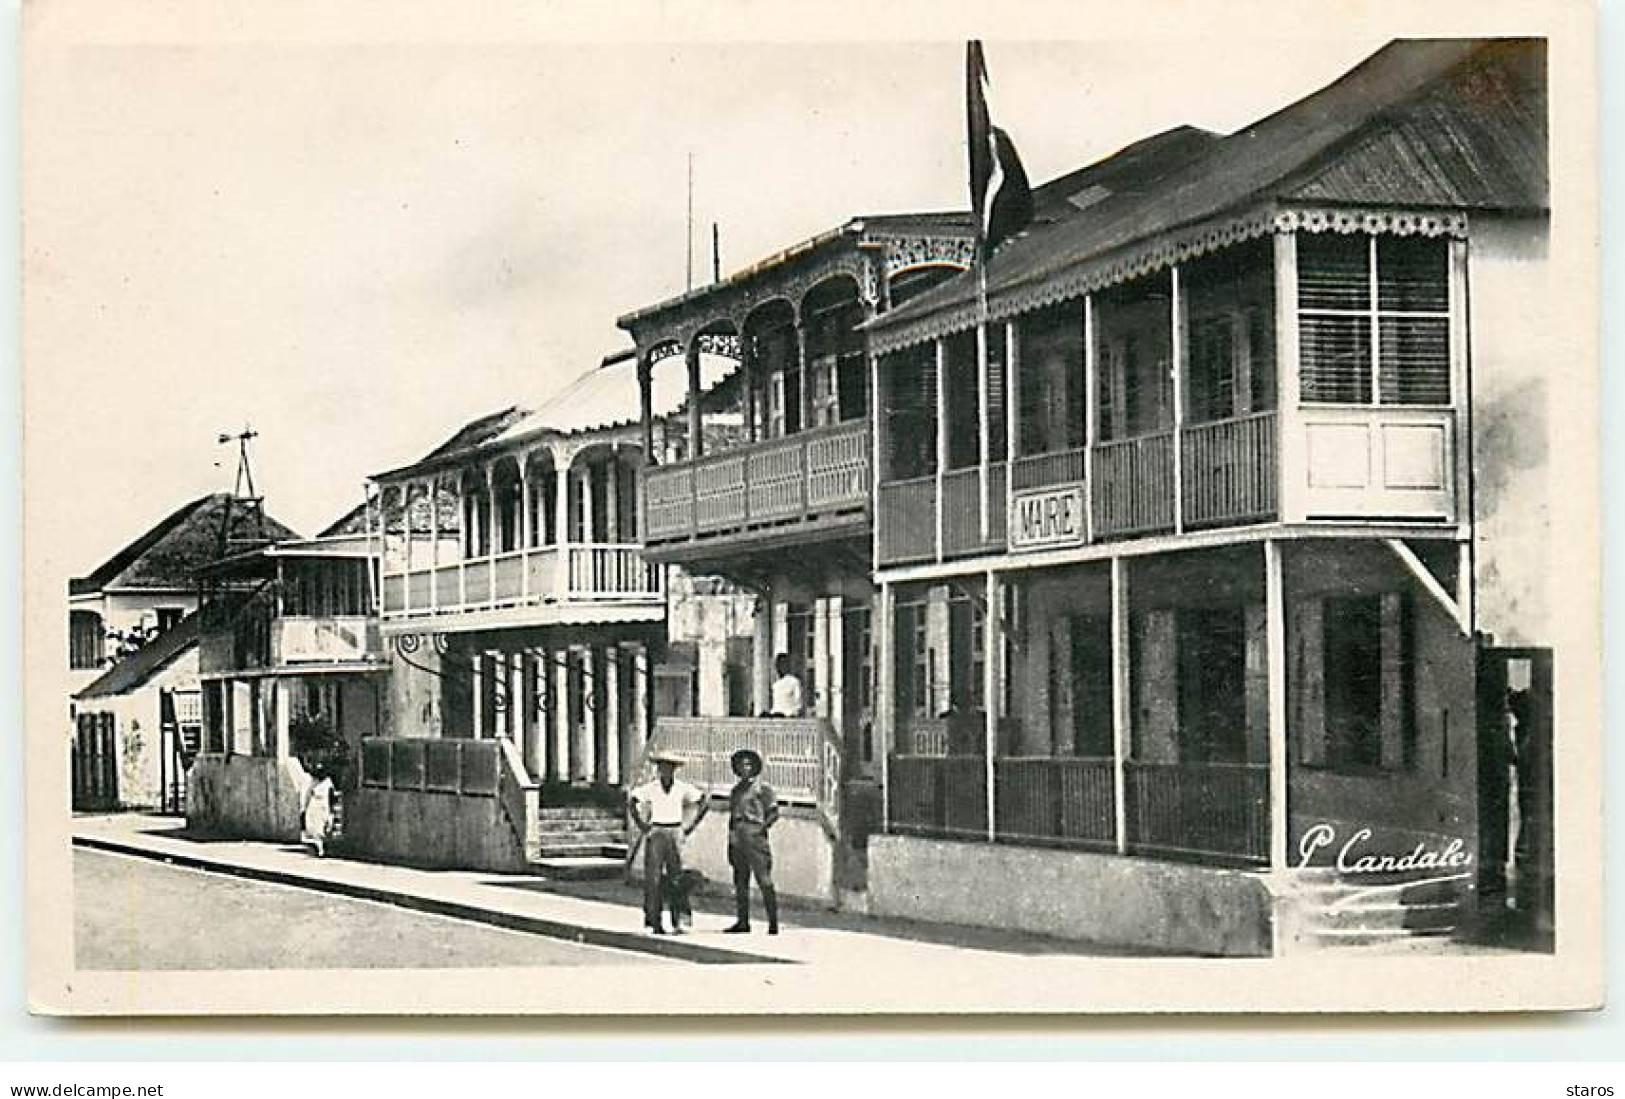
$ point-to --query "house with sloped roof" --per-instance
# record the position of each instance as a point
(150, 584)
(137, 727)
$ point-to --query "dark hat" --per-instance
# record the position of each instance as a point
(745, 753)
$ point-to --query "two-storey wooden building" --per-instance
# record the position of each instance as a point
(764, 480)
(1182, 524)
(288, 651)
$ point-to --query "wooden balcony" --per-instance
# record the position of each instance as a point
(592, 575)
(255, 639)
(811, 481)
(1228, 473)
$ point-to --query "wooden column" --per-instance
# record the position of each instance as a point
(1121, 701)
(612, 499)
(1012, 413)
(646, 413)
(805, 371)
(560, 670)
(877, 421)
(527, 534)
(434, 542)
(615, 734)
(984, 425)
(282, 716)
(696, 420)
(1091, 413)
(993, 629)
(1275, 623)
(592, 688)
(1176, 310)
(492, 520)
(747, 373)
(883, 626)
(762, 653)
(465, 541)
(1293, 471)
(561, 520)
(942, 435)
(530, 741)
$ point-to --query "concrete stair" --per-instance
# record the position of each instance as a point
(579, 842)
(1335, 910)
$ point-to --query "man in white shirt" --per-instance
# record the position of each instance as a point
(660, 810)
(786, 689)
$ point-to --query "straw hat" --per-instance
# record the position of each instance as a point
(666, 757)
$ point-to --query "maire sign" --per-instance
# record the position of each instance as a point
(1047, 517)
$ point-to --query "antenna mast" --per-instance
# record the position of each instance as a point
(242, 492)
(689, 231)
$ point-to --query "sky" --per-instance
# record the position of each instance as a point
(356, 246)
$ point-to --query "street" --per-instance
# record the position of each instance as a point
(134, 913)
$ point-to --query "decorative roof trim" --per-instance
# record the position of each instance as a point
(1162, 252)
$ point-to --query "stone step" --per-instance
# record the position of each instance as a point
(567, 848)
(581, 824)
(582, 835)
(578, 867)
(578, 812)
(1399, 917)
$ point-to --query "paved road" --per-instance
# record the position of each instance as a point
(133, 913)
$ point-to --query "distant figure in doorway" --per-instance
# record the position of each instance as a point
(317, 825)
(753, 808)
(786, 689)
(660, 810)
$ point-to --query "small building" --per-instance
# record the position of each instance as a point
(148, 586)
(291, 669)
(138, 725)
(1210, 535)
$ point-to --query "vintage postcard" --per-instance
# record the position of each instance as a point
(1040, 508)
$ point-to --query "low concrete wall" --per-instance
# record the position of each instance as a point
(425, 828)
(1109, 899)
(803, 856)
(255, 797)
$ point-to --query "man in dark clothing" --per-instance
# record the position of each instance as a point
(753, 808)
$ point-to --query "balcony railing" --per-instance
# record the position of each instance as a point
(937, 796)
(1229, 469)
(1200, 809)
(1211, 812)
(1133, 485)
(1055, 801)
(297, 639)
(802, 477)
(594, 573)
(1229, 475)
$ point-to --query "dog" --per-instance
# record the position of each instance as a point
(680, 891)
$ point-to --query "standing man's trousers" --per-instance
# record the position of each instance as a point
(662, 862)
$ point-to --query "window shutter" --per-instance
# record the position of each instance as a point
(1309, 682)
(1334, 271)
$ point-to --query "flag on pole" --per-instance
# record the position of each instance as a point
(1000, 198)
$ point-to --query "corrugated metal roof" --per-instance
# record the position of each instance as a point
(1484, 87)
(146, 662)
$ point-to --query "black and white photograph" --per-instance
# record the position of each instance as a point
(991, 516)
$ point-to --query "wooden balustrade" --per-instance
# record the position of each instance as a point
(1202, 809)
(795, 762)
(1132, 485)
(611, 571)
(508, 577)
(1058, 467)
(778, 480)
(906, 520)
(961, 511)
(1061, 800)
(595, 571)
(799, 477)
(942, 796)
(1229, 469)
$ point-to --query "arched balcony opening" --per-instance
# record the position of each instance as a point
(836, 378)
(773, 375)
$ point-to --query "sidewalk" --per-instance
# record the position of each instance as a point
(601, 913)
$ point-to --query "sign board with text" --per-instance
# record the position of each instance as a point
(1047, 517)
